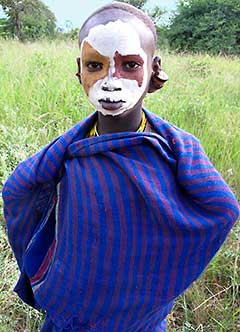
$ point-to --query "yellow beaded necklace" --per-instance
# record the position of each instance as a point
(141, 128)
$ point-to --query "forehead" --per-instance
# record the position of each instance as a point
(114, 36)
(138, 29)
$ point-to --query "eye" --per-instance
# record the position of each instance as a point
(130, 65)
(93, 66)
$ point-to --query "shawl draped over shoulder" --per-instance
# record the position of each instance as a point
(108, 231)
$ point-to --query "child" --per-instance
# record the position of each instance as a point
(114, 219)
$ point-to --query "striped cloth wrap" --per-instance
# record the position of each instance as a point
(108, 231)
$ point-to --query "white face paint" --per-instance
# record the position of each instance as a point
(108, 39)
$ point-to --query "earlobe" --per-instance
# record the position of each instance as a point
(158, 77)
(78, 74)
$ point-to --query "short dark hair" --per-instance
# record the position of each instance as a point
(130, 10)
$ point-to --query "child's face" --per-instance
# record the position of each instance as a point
(115, 67)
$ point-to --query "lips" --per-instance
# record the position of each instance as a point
(110, 104)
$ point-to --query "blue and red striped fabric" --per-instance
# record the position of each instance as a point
(108, 231)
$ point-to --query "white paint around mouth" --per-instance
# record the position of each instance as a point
(127, 93)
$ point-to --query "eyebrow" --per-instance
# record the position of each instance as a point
(92, 58)
(129, 57)
(92, 54)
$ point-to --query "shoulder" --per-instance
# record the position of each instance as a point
(177, 138)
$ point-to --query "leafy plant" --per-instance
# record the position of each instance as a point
(211, 26)
(30, 19)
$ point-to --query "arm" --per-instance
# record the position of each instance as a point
(200, 179)
(26, 195)
(27, 191)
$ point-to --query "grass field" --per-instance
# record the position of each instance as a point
(40, 98)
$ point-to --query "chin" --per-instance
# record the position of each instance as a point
(111, 112)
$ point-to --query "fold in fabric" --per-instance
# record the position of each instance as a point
(108, 231)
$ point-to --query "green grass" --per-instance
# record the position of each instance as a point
(40, 98)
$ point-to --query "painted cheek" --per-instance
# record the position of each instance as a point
(136, 75)
(90, 78)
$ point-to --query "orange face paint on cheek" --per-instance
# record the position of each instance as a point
(90, 54)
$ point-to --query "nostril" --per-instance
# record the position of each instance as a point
(105, 88)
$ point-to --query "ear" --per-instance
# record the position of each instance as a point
(78, 74)
(158, 77)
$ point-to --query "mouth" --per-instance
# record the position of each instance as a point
(110, 104)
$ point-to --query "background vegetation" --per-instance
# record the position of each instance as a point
(40, 98)
(27, 20)
(211, 26)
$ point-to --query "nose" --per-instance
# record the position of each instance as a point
(111, 84)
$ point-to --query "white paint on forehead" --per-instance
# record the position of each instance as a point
(115, 36)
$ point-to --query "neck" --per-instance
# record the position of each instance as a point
(127, 121)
